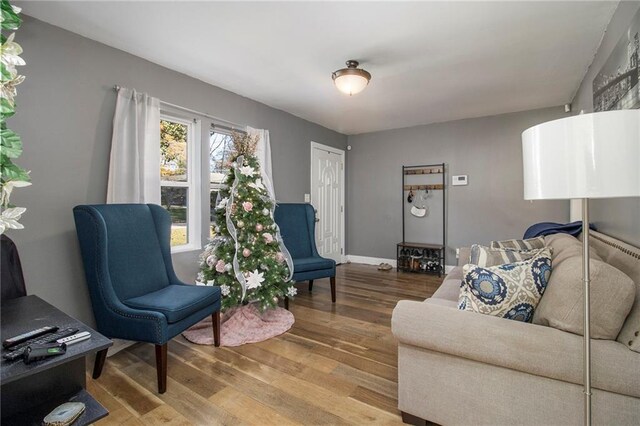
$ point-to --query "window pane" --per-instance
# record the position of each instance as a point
(174, 199)
(219, 152)
(173, 151)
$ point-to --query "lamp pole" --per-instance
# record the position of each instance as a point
(587, 330)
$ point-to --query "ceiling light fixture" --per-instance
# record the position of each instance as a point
(351, 80)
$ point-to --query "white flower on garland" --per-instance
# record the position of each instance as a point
(11, 52)
(247, 170)
(225, 290)
(292, 291)
(8, 187)
(255, 279)
(257, 185)
(223, 203)
(10, 217)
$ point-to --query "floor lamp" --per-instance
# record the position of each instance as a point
(583, 157)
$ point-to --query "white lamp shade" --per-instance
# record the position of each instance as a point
(351, 84)
(585, 156)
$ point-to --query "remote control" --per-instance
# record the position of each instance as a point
(17, 351)
(13, 341)
(38, 352)
(76, 338)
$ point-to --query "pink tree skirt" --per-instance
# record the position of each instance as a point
(243, 324)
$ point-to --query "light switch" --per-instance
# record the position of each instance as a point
(307, 198)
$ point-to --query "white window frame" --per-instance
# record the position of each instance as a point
(193, 183)
(214, 186)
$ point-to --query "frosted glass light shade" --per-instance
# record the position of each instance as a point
(351, 84)
(585, 156)
(351, 80)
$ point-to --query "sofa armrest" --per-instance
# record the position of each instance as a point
(525, 347)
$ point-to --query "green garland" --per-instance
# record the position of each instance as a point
(258, 250)
(11, 175)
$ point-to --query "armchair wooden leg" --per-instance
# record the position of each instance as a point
(310, 286)
(161, 367)
(333, 289)
(101, 356)
(286, 303)
(216, 328)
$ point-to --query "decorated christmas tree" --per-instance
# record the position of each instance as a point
(246, 256)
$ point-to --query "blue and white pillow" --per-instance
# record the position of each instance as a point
(509, 291)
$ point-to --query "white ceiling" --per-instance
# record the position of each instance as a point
(430, 62)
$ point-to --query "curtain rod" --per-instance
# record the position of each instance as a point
(233, 126)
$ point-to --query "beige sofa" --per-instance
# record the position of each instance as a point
(463, 368)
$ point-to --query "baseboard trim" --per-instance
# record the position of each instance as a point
(366, 260)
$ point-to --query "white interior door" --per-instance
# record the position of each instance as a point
(327, 197)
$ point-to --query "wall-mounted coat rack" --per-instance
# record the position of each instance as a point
(423, 187)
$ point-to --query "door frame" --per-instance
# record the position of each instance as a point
(342, 154)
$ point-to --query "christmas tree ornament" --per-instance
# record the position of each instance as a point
(211, 260)
(265, 212)
(259, 227)
(247, 206)
(255, 279)
(240, 224)
(246, 252)
(268, 238)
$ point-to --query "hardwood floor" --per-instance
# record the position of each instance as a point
(337, 365)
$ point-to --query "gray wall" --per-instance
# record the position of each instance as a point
(617, 217)
(65, 111)
(486, 149)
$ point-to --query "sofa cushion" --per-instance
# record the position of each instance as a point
(509, 291)
(487, 256)
(564, 247)
(529, 244)
(306, 264)
(612, 295)
(176, 302)
(450, 288)
(626, 258)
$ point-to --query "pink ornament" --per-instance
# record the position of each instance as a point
(279, 257)
(259, 227)
(246, 252)
(220, 266)
(268, 238)
(247, 206)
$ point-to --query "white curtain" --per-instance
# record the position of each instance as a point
(134, 168)
(263, 152)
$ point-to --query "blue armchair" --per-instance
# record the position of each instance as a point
(134, 290)
(297, 227)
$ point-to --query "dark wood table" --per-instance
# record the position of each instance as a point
(30, 392)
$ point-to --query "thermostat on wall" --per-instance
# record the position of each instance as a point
(459, 180)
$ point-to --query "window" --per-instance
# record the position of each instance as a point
(220, 145)
(179, 193)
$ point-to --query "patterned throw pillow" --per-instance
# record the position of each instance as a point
(487, 256)
(509, 291)
(530, 244)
